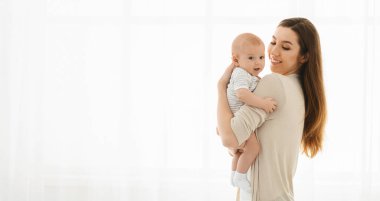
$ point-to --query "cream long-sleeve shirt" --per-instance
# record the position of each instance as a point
(279, 134)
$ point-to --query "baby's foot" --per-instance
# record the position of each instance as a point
(245, 196)
(241, 181)
(232, 178)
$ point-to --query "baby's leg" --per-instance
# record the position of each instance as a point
(235, 160)
(251, 150)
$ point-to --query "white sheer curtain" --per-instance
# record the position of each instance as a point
(115, 100)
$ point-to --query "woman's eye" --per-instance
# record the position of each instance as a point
(273, 43)
(286, 48)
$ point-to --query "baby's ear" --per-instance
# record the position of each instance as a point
(235, 60)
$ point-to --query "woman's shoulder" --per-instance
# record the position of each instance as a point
(275, 78)
(274, 75)
(272, 85)
(272, 79)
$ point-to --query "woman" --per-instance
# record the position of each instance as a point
(296, 84)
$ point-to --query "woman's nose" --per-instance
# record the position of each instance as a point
(274, 50)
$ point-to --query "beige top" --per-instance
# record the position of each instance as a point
(279, 134)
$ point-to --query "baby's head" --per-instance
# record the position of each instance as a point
(248, 52)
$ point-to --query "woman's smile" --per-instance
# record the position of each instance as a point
(274, 61)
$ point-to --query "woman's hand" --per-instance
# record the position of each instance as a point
(225, 79)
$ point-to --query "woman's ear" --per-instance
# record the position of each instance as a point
(304, 58)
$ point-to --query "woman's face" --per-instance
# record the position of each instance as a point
(284, 51)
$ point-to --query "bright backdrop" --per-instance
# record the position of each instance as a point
(116, 100)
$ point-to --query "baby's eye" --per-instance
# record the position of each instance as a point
(262, 57)
(250, 58)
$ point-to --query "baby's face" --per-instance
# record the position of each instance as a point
(252, 59)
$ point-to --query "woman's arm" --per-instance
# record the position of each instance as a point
(224, 114)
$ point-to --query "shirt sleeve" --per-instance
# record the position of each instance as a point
(241, 79)
(247, 119)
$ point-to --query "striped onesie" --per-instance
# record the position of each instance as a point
(240, 78)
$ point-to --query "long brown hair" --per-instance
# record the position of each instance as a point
(311, 78)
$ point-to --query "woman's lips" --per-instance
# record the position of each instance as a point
(274, 61)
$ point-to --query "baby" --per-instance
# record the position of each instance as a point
(248, 55)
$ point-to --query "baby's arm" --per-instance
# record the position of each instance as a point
(249, 98)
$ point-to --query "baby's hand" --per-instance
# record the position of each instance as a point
(269, 105)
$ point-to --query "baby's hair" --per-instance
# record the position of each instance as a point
(244, 39)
